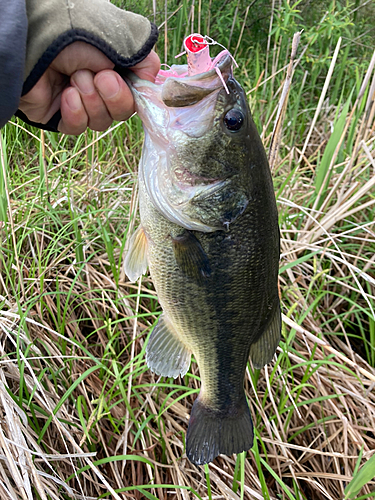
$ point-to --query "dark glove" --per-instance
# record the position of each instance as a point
(125, 38)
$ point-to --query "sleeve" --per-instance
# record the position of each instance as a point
(13, 34)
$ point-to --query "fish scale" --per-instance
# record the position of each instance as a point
(217, 286)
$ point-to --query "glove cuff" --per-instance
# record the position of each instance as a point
(51, 125)
(81, 35)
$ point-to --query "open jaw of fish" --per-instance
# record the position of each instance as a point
(210, 237)
(177, 113)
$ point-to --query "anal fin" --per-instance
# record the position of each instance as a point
(165, 354)
(136, 259)
(262, 351)
(190, 256)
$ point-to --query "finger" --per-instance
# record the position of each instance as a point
(115, 94)
(148, 68)
(74, 118)
(98, 116)
(43, 100)
(80, 55)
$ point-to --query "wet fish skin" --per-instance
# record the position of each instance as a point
(218, 289)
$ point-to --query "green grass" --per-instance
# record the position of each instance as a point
(82, 414)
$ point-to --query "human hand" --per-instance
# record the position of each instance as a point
(81, 83)
(71, 50)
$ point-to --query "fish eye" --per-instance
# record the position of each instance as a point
(234, 119)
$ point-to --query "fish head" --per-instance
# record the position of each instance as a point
(198, 137)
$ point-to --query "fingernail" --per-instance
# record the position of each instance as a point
(107, 85)
(83, 80)
(73, 99)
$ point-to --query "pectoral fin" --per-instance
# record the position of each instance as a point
(190, 256)
(262, 351)
(136, 259)
(165, 354)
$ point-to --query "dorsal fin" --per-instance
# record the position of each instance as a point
(262, 351)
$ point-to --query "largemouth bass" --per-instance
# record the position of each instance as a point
(209, 234)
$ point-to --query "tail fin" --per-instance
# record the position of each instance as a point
(212, 432)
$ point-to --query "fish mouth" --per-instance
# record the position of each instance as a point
(175, 108)
(175, 88)
(165, 104)
(188, 90)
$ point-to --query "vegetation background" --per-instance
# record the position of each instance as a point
(81, 415)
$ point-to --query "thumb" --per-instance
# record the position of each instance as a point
(148, 68)
(80, 55)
